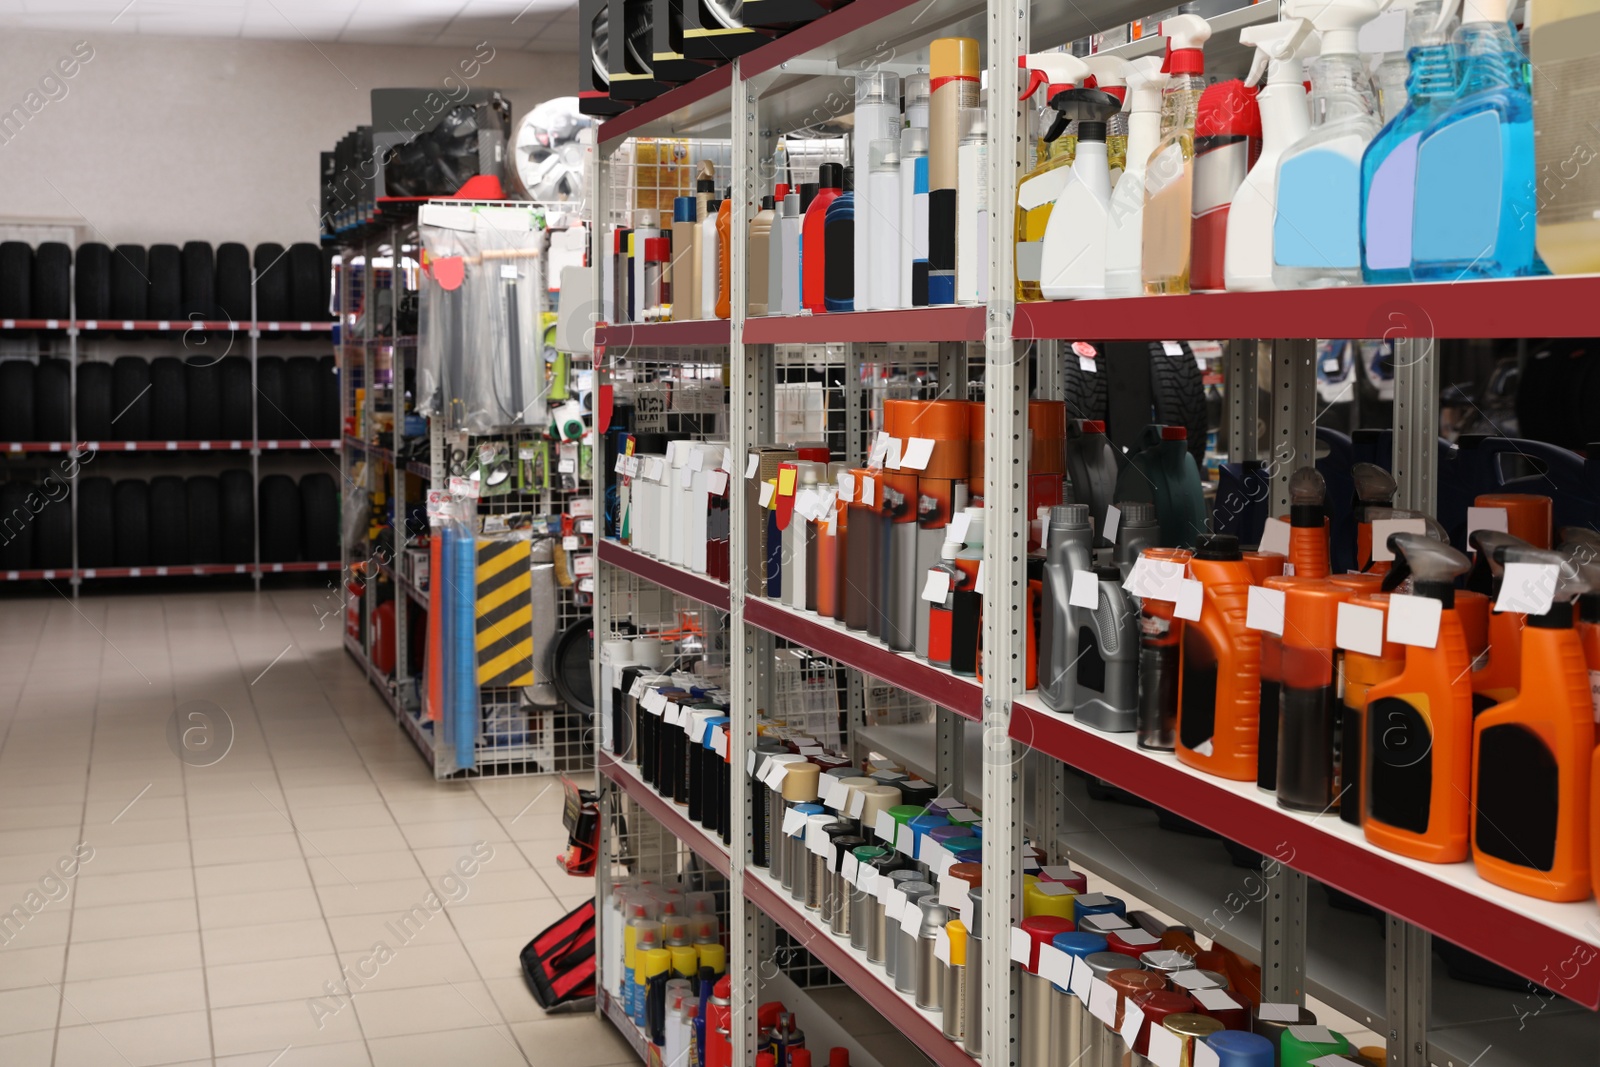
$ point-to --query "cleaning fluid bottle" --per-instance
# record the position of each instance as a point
(813, 240)
(839, 241)
(1227, 143)
(1111, 76)
(1169, 173)
(1316, 235)
(1308, 523)
(710, 269)
(1418, 747)
(761, 226)
(1062, 624)
(1093, 466)
(1531, 755)
(1389, 167)
(1581, 545)
(1162, 472)
(1497, 678)
(1073, 264)
(1375, 488)
(1219, 676)
(1285, 118)
(1057, 72)
(788, 260)
(1125, 227)
(723, 307)
(882, 218)
(1476, 196)
(1564, 47)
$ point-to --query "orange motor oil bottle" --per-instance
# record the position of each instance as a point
(1586, 557)
(1219, 677)
(1496, 678)
(1264, 565)
(1375, 488)
(1473, 607)
(1309, 751)
(1308, 523)
(1532, 755)
(1271, 688)
(1160, 650)
(1418, 728)
(1528, 515)
(1047, 458)
(1360, 671)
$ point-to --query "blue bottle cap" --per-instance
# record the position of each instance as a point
(1079, 944)
(1238, 1048)
(810, 809)
(684, 209)
(1098, 904)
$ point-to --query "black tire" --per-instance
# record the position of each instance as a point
(238, 517)
(301, 396)
(169, 521)
(94, 401)
(272, 283)
(130, 399)
(16, 526)
(1086, 393)
(199, 287)
(52, 400)
(52, 281)
(233, 282)
(1178, 393)
(279, 509)
(204, 499)
(16, 280)
(308, 285)
(319, 516)
(234, 381)
(92, 283)
(272, 411)
(327, 420)
(130, 283)
(166, 282)
(52, 539)
(96, 524)
(202, 379)
(130, 506)
(16, 399)
(169, 403)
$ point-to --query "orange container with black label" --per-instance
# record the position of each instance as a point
(1308, 523)
(1360, 672)
(1418, 729)
(1160, 653)
(1473, 607)
(1271, 690)
(1047, 459)
(1219, 680)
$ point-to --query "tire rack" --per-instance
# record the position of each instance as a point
(74, 328)
(1392, 987)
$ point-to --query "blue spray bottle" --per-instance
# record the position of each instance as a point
(1316, 236)
(1475, 195)
(1389, 168)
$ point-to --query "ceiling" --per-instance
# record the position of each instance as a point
(527, 25)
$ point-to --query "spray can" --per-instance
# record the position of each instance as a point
(1157, 1008)
(1036, 1017)
(972, 221)
(1098, 1039)
(954, 1022)
(858, 903)
(1301, 1046)
(1070, 1040)
(862, 553)
(844, 838)
(928, 983)
(1191, 1028)
(799, 786)
(904, 956)
(880, 229)
(798, 863)
(912, 238)
(685, 302)
(953, 70)
(894, 911)
(877, 116)
(885, 866)
(1129, 983)
(788, 265)
(972, 1001)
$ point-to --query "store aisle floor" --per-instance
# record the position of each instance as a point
(272, 908)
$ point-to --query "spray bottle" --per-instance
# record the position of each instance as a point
(706, 248)
(1058, 72)
(1316, 237)
(839, 240)
(1285, 118)
(1389, 167)
(877, 115)
(1308, 523)
(881, 219)
(1111, 76)
(1227, 142)
(1499, 677)
(1531, 755)
(787, 267)
(1418, 724)
(1073, 264)
(1125, 228)
(1581, 545)
(813, 241)
(1169, 174)
(1375, 488)
(1476, 195)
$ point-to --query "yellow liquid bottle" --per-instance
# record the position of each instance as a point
(1036, 195)
(1564, 46)
(1169, 176)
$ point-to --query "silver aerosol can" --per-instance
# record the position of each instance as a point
(929, 986)
(905, 950)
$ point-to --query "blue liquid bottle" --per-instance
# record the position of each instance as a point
(1389, 167)
(1475, 196)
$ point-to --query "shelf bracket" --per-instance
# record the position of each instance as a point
(1294, 416)
(1408, 963)
(1283, 934)
(951, 764)
(1244, 401)
(1416, 421)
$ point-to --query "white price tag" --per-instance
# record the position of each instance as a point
(1104, 924)
(1414, 620)
(1139, 938)
(1528, 587)
(697, 729)
(1334, 1061)
(1359, 629)
(952, 892)
(1113, 522)
(837, 792)
(775, 776)
(1082, 975)
(1312, 1035)
(1166, 1048)
(956, 531)
(895, 905)
(847, 487)
(697, 460)
(1203, 1055)
(858, 801)
(1192, 980)
(1485, 519)
(911, 918)
(753, 466)
(1132, 1022)
(817, 842)
(937, 587)
(891, 454)
(879, 449)
(918, 451)
(719, 741)
(727, 459)
(767, 489)
(851, 870)
(961, 816)
(1085, 590)
(1275, 537)
(1056, 889)
(884, 826)
(1021, 946)
(1264, 610)
(905, 840)
(1214, 999)
(794, 823)
(941, 946)
(943, 859)
(869, 493)
(636, 690)
(1172, 348)
(655, 702)
(719, 483)
(1102, 1001)
(1383, 528)
(1190, 599)
(1278, 1013)
(867, 881)
(1056, 966)
(750, 763)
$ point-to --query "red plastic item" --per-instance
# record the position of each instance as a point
(838, 1057)
(812, 258)
(383, 637)
(1227, 140)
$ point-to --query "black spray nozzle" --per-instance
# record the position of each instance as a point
(1488, 568)
(1081, 105)
(1374, 485)
(1432, 565)
(1307, 494)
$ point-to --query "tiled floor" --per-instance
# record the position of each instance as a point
(219, 914)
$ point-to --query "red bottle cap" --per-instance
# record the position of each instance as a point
(838, 1057)
(1174, 433)
(1093, 426)
(1156, 1007)
(1042, 929)
(657, 249)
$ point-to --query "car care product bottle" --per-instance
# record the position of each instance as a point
(813, 239)
(685, 303)
(967, 603)
(839, 240)
(1108, 673)
(1056, 73)
(1067, 552)
(953, 78)
(1389, 166)
(1497, 677)
(710, 269)
(1309, 742)
(1477, 194)
(1094, 465)
(877, 116)
(1073, 264)
(863, 532)
(972, 220)
(1162, 472)
(1219, 682)
(1271, 692)
(1285, 118)
(1111, 76)
(941, 485)
(1169, 173)
(1359, 672)
(1375, 488)
(1125, 224)
(1308, 523)
(1160, 663)
(913, 231)
(761, 237)
(1137, 530)
(1585, 555)
(1316, 237)
(1227, 141)
(1564, 51)
(1418, 762)
(1532, 755)
(941, 611)
(903, 579)
(788, 261)
(722, 309)
(881, 223)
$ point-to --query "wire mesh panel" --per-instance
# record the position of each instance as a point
(648, 173)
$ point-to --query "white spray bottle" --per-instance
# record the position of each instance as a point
(1038, 189)
(1285, 118)
(1125, 224)
(1111, 76)
(1073, 266)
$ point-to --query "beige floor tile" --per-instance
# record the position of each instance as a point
(158, 1039)
(483, 1046)
(253, 909)
(398, 897)
(344, 1054)
(458, 833)
(263, 982)
(228, 850)
(95, 889)
(478, 922)
(231, 878)
(28, 1050)
(580, 1041)
(409, 964)
(266, 941)
(352, 933)
(101, 1000)
(154, 954)
(514, 1000)
(423, 1009)
(269, 1027)
(21, 966)
(22, 1010)
(363, 867)
(114, 921)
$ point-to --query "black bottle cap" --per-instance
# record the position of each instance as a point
(1089, 130)
(1217, 546)
(830, 176)
(712, 206)
(768, 203)
(919, 283)
(808, 193)
(727, 194)
(849, 179)
(705, 185)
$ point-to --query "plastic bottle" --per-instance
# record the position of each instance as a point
(953, 69)
(940, 611)
(760, 258)
(1561, 45)
(1418, 747)
(1375, 488)
(1389, 166)
(710, 270)
(1160, 663)
(813, 250)
(1094, 464)
(685, 303)
(1316, 237)
(882, 222)
(1111, 76)
(1162, 472)
(1137, 530)
(789, 257)
(1068, 552)
(1581, 545)
(1308, 523)
(1057, 73)
(967, 602)
(1531, 755)
(1169, 173)
(839, 240)
(1227, 140)
(1308, 746)
(1498, 677)
(877, 116)
(723, 308)
(972, 196)
(1476, 201)
(1125, 225)
(913, 235)
(1219, 680)
(1073, 263)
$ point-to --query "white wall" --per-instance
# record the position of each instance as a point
(173, 139)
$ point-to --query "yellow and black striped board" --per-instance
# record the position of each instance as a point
(505, 614)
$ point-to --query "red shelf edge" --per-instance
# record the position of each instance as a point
(961, 695)
(1501, 934)
(626, 335)
(714, 80)
(664, 811)
(956, 322)
(707, 591)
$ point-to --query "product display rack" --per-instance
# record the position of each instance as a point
(1381, 976)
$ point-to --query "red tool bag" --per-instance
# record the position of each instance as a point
(559, 964)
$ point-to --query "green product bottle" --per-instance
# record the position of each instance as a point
(1163, 473)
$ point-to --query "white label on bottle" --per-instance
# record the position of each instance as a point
(891, 453)
(952, 892)
(1113, 522)
(1082, 975)
(977, 583)
(905, 840)
(753, 466)
(767, 489)
(1205, 1056)
(1103, 924)
(869, 492)
(957, 529)
(852, 868)
(794, 822)
(937, 587)
(719, 482)
(1275, 537)
(1055, 966)
(858, 801)
(1021, 946)
(1166, 1048)
(884, 826)
(1414, 620)
(1383, 528)
(1085, 590)
(1331, 1061)
(750, 763)
(1103, 1001)
(1190, 598)
(1132, 1023)
(879, 449)
(1264, 610)
(918, 451)
(1528, 587)
(1359, 629)
(1485, 519)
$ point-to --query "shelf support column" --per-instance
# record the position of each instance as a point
(1283, 934)
(1408, 961)
(951, 763)
(1244, 398)
(1294, 416)
(1416, 422)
